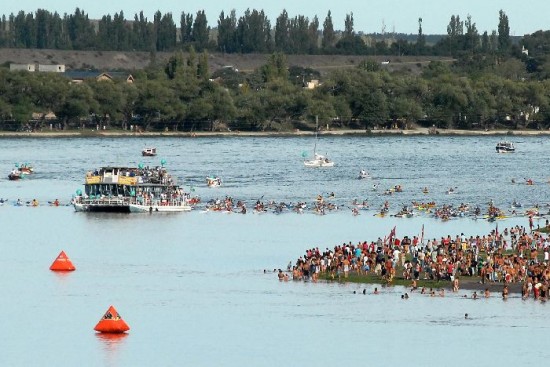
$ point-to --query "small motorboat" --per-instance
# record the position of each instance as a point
(14, 175)
(149, 152)
(213, 181)
(505, 146)
(319, 161)
(363, 175)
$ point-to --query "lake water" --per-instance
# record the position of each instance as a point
(192, 286)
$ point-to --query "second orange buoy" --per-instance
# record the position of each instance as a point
(112, 323)
(62, 263)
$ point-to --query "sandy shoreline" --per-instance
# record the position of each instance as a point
(411, 132)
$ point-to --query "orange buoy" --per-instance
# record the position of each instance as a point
(111, 323)
(62, 263)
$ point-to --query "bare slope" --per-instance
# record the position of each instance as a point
(115, 60)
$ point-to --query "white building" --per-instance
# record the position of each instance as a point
(51, 68)
(26, 67)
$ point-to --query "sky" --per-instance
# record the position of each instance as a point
(399, 16)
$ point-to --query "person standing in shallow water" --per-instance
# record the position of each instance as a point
(455, 285)
(505, 292)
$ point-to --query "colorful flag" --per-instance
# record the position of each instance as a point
(391, 235)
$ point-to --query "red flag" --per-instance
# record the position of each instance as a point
(391, 235)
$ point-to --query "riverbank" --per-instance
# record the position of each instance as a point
(374, 132)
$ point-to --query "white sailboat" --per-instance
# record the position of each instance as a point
(318, 159)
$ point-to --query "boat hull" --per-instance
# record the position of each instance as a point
(316, 163)
(505, 147)
(99, 208)
(136, 208)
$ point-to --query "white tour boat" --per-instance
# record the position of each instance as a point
(131, 190)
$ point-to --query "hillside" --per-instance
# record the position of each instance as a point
(115, 60)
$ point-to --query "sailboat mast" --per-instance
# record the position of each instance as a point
(316, 132)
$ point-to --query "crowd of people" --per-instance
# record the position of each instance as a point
(513, 256)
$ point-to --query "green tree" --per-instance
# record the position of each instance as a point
(254, 32)
(201, 31)
(142, 34)
(282, 32)
(227, 33)
(81, 33)
(175, 66)
(109, 100)
(420, 39)
(313, 36)
(156, 103)
(329, 36)
(503, 32)
(75, 109)
(165, 30)
(186, 29)
(202, 66)
(276, 68)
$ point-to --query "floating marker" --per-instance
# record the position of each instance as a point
(62, 263)
(111, 323)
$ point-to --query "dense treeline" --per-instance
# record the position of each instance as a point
(252, 32)
(181, 96)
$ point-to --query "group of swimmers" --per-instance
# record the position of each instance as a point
(513, 256)
(324, 204)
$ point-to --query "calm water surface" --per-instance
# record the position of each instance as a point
(192, 286)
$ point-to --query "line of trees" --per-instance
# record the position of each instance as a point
(252, 32)
(181, 96)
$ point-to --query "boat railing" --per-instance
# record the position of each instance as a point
(119, 201)
(105, 201)
(161, 202)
